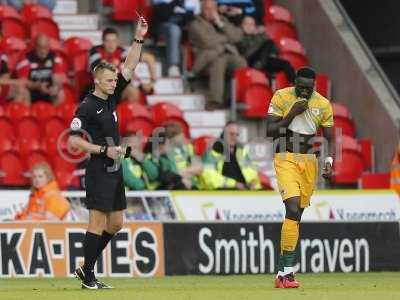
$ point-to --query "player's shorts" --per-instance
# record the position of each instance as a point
(105, 190)
(297, 175)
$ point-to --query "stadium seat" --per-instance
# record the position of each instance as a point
(375, 181)
(7, 11)
(278, 13)
(69, 93)
(79, 62)
(82, 81)
(13, 27)
(46, 26)
(66, 111)
(26, 145)
(340, 110)
(13, 47)
(348, 143)
(31, 12)
(279, 23)
(287, 44)
(344, 125)
(28, 128)
(296, 60)
(16, 111)
(6, 128)
(244, 77)
(163, 111)
(141, 126)
(348, 168)
(74, 45)
(127, 111)
(34, 158)
(202, 144)
(6, 143)
(12, 170)
(281, 81)
(54, 127)
(42, 110)
(51, 146)
(323, 85)
(60, 163)
(124, 10)
(256, 99)
(368, 153)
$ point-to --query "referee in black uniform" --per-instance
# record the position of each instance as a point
(105, 193)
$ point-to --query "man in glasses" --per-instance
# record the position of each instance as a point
(294, 117)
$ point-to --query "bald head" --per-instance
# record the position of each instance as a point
(42, 46)
(209, 9)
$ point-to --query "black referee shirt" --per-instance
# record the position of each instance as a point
(98, 117)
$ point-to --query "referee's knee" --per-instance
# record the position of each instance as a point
(114, 228)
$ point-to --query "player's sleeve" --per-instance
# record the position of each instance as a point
(327, 116)
(121, 85)
(80, 121)
(23, 68)
(276, 105)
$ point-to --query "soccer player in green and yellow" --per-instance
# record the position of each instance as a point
(294, 117)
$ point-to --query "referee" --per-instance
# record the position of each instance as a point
(105, 194)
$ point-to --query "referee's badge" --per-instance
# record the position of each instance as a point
(76, 124)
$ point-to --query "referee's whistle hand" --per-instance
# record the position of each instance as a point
(114, 152)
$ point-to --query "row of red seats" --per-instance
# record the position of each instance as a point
(34, 19)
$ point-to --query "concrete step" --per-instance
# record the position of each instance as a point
(93, 35)
(196, 132)
(66, 7)
(168, 85)
(84, 22)
(185, 102)
(203, 118)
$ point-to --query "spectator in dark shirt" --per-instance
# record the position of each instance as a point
(44, 72)
(111, 51)
(260, 51)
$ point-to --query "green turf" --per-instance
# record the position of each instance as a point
(363, 286)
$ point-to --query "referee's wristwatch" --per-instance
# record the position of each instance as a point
(103, 150)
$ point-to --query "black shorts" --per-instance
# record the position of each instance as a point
(105, 190)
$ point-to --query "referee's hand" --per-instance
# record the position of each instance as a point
(114, 152)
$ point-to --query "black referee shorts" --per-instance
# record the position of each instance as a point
(105, 190)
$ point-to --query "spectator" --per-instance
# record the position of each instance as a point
(260, 51)
(213, 38)
(227, 165)
(235, 10)
(168, 176)
(18, 4)
(170, 16)
(395, 171)
(45, 201)
(182, 154)
(113, 53)
(139, 172)
(44, 73)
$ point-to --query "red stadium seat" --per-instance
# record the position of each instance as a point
(348, 168)
(16, 111)
(141, 126)
(13, 47)
(127, 111)
(66, 111)
(244, 77)
(323, 85)
(202, 144)
(278, 13)
(28, 128)
(368, 153)
(69, 93)
(277, 30)
(375, 181)
(31, 12)
(348, 143)
(340, 110)
(54, 127)
(163, 111)
(51, 146)
(296, 60)
(6, 128)
(42, 110)
(34, 158)
(124, 10)
(46, 26)
(13, 27)
(344, 126)
(6, 143)
(287, 44)
(181, 122)
(12, 170)
(7, 11)
(74, 45)
(80, 62)
(59, 163)
(83, 79)
(25, 145)
(281, 81)
(257, 98)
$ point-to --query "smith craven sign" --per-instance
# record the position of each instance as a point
(56, 249)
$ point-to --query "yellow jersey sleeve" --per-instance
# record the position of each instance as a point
(276, 105)
(327, 116)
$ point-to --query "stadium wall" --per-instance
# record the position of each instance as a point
(333, 49)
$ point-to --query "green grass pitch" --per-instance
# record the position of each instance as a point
(352, 286)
